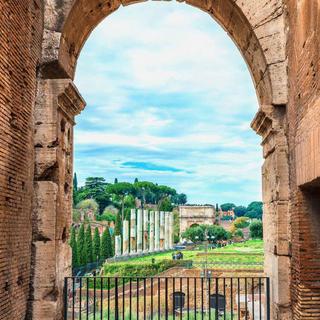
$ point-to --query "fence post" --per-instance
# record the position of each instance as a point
(268, 298)
(65, 289)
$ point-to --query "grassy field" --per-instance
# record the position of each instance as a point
(247, 255)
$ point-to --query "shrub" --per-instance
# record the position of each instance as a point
(144, 269)
(238, 233)
(88, 204)
(198, 233)
(76, 216)
(241, 222)
(256, 230)
(106, 216)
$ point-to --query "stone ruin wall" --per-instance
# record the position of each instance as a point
(304, 154)
(290, 195)
(190, 215)
(20, 48)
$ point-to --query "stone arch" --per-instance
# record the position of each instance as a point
(258, 34)
(258, 29)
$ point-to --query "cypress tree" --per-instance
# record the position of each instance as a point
(118, 225)
(103, 246)
(75, 182)
(109, 244)
(96, 244)
(89, 245)
(74, 247)
(106, 250)
(82, 248)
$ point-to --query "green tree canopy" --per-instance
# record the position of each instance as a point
(89, 246)
(227, 206)
(121, 190)
(179, 199)
(82, 248)
(194, 234)
(240, 211)
(218, 232)
(88, 204)
(238, 233)
(166, 205)
(176, 226)
(95, 188)
(199, 233)
(96, 244)
(256, 230)
(95, 184)
(254, 210)
(106, 250)
(107, 216)
(241, 223)
(118, 225)
(74, 248)
(75, 181)
(123, 195)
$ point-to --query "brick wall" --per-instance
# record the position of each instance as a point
(20, 29)
(304, 141)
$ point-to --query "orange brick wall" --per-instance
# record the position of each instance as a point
(304, 144)
(20, 27)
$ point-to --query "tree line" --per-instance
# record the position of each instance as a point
(252, 211)
(123, 195)
(87, 248)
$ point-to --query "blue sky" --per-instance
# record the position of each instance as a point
(169, 100)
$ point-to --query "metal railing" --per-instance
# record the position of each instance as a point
(133, 298)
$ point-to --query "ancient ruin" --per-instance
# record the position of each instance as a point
(149, 234)
(40, 44)
(196, 215)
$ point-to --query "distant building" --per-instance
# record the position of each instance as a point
(226, 214)
(196, 214)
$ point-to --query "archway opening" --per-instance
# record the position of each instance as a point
(262, 62)
(172, 107)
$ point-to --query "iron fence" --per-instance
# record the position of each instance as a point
(184, 298)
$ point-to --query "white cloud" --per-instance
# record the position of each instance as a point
(164, 78)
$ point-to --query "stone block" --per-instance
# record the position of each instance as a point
(45, 197)
(44, 282)
(44, 310)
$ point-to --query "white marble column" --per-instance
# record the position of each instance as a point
(125, 235)
(162, 235)
(151, 235)
(133, 232)
(171, 231)
(139, 231)
(117, 244)
(166, 230)
(145, 231)
(156, 231)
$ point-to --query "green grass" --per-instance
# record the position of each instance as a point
(250, 246)
(247, 255)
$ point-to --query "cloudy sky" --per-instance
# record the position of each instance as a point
(169, 100)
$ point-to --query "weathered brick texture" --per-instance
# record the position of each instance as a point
(20, 47)
(304, 145)
(279, 40)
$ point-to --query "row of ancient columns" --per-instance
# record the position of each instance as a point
(148, 232)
